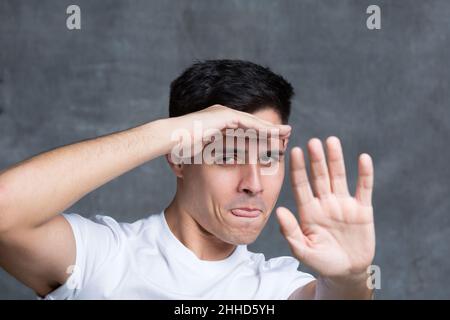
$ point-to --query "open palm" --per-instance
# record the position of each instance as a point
(336, 235)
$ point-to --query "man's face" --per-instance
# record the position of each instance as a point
(220, 197)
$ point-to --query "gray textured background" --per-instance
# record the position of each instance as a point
(383, 92)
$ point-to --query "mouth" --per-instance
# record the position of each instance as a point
(246, 212)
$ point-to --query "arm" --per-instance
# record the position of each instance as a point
(336, 235)
(38, 188)
(326, 289)
(36, 242)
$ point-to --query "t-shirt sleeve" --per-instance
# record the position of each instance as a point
(288, 278)
(98, 239)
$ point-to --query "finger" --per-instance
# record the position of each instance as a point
(319, 169)
(284, 129)
(364, 185)
(250, 121)
(285, 143)
(336, 166)
(291, 230)
(299, 178)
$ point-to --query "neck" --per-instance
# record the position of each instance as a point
(192, 235)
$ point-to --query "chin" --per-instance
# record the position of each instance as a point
(246, 242)
(244, 239)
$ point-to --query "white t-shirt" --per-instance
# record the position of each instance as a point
(144, 260)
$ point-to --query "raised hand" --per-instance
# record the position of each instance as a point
(335, 236)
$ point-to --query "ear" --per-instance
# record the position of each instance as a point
(176, 168)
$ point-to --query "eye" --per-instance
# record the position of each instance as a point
(226, 158)
(229, 159)
(232, 158)
(268, 158)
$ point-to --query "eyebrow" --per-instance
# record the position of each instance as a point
(235, 150)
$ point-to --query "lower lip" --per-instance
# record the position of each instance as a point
(246, 213)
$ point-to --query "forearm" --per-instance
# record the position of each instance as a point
(325, 289)
(355, 288)
(40, 187)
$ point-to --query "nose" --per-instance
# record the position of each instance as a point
(250, 182)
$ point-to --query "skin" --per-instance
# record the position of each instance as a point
(37, 245)
(199, 214)
(336, 235)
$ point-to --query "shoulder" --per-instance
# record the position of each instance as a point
(276, 264)
(279, 276)
(105, 224)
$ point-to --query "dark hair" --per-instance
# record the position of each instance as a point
(240, 85)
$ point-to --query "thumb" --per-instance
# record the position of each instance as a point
(290, 229)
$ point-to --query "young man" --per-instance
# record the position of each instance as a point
(196, 247)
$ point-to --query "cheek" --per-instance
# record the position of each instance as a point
(220, 183)
(216, 184)
(273, 183)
